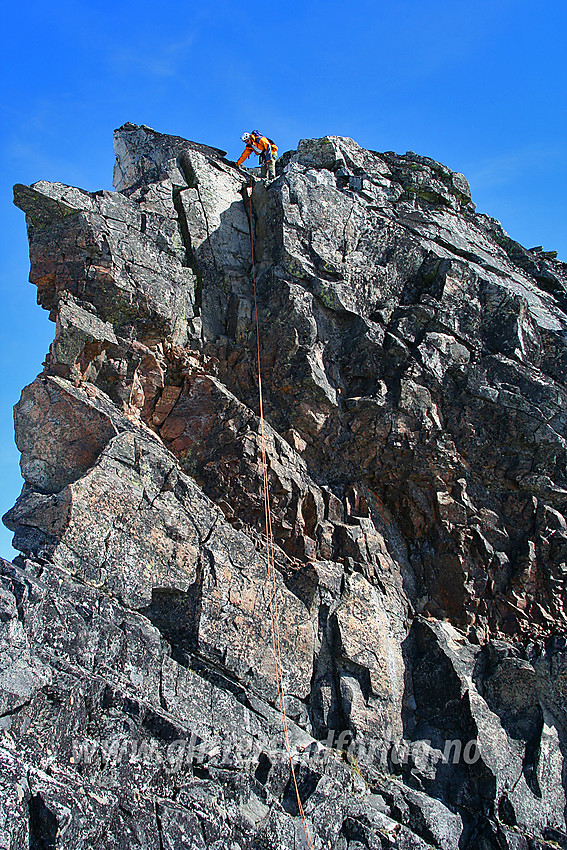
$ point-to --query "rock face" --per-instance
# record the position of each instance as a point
(414, 363)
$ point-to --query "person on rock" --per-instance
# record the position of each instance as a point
(265, 148)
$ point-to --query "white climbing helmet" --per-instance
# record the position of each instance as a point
(245, 137)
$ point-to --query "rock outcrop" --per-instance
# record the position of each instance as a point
(414, 364)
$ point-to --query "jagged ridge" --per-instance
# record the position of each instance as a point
(415, 393)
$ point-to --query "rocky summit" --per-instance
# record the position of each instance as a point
(414, 366)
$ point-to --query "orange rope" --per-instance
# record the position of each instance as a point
(270, 551)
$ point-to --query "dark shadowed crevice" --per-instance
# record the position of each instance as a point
(159, 825)
(263, 769)
(193, 183)
(190, 259)
(176, 614)
(43, 825)
(160, 728)
(307, 781)
(11, 712)
(188, 171)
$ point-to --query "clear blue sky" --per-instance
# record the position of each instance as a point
(479, 85)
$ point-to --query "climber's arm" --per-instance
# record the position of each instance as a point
(245, 154)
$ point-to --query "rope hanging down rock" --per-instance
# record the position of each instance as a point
(270, 553)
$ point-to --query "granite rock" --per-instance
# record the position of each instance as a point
(415, 424)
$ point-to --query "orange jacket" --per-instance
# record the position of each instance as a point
(261, 146)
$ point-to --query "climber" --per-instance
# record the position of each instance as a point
(265, 148)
